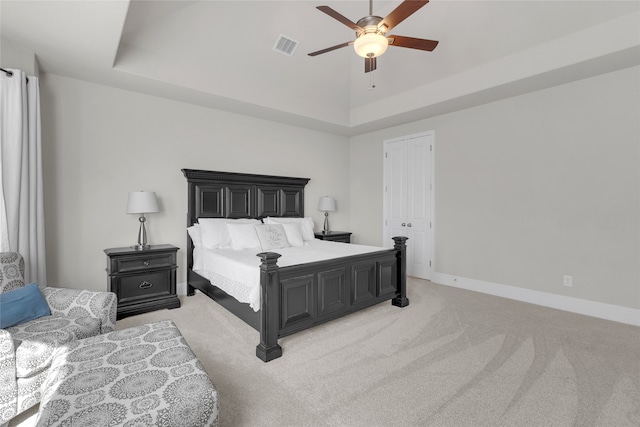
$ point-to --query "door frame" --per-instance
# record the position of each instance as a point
(385, 173)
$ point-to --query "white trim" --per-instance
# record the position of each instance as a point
(600, 310)
(385, 172)
(432, 214)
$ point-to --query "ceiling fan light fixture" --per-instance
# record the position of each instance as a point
(370, 45)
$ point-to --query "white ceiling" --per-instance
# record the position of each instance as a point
(219, 53)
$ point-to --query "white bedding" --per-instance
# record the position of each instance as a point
(237, 272)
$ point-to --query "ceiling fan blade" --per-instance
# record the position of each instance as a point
(335, 15)
(370, 64)
(413, 43)
(329, 49)
(402, 12)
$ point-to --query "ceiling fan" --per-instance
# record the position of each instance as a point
(371, 39)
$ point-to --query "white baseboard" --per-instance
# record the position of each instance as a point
(181, 289)
(601, 310)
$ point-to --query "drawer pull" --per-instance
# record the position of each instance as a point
(145, 285)
(145, 263)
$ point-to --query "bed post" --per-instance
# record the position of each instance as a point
(400, 246)
(268, 349)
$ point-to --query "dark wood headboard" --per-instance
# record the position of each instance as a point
(213, 194)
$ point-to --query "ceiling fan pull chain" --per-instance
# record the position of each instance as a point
(372, 85)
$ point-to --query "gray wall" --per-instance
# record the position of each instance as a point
(99, 143)
(15, 56)
(529, 189)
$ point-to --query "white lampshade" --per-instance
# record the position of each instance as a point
(327, 204)
(141, 202)
(370, 45)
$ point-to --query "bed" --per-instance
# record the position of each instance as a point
(297, 295)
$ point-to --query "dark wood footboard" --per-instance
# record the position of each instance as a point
(299, 297)
(296, 297)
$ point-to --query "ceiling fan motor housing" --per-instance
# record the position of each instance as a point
(370, 25)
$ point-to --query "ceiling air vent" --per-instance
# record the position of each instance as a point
(285, 45)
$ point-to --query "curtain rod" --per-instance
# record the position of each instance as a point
(10, 73)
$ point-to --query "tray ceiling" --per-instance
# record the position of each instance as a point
(220, 53)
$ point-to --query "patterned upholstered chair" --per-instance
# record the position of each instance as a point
(26, 349)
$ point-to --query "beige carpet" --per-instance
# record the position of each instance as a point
(451, 358)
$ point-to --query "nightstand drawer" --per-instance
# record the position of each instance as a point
(143, 286)
(144, 262)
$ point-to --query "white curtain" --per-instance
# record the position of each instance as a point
(21, 192)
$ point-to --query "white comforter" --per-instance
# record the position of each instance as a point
(238, 273)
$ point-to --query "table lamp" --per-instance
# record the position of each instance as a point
(326, 204)
(142, 202)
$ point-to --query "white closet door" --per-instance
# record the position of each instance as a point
(407, 198)
(395, 191)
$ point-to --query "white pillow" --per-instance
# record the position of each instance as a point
(195, 232)
(294, 235)
(271, 236)
(215, 234)
(306, 225)
(243, 236)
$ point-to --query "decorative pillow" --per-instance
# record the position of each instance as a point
(294, 235)
(195, 232)
(243, 236)
(271, 236)
(215, 234)
(21, 305)
(306, 225)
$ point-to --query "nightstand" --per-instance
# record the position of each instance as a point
(334, 236)
(143, 280)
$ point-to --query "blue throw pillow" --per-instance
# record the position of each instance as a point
(21, 305)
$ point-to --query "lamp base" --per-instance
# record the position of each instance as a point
(142, 236)
(140, 247)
